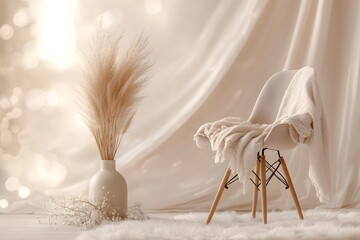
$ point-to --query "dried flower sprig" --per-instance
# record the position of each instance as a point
(80, 211)
(111, 86)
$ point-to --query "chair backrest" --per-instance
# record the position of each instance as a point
(268, 101)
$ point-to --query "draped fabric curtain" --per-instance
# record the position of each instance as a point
(211, 59)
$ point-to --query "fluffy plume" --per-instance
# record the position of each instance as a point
(110, 88)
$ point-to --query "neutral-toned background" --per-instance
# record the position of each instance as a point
(211, 59)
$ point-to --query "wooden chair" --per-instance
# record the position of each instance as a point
(265, 112)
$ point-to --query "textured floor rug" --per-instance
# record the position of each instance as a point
(318, 224)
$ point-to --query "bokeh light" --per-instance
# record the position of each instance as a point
(152, 6)
(110, 18)
(12, 184)
(56, 32)
(52, 98)
(6, 31)
(4, 203)
(49, 174)
(57, 173)
(13, 99)
(5, 104)
(106, 20)
(24, 192)
(22, 17)
(14, 114)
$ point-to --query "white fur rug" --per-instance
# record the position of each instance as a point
(318, 224)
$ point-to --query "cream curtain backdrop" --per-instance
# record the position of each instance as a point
(211, 59)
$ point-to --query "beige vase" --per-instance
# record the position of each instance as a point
(108, 186)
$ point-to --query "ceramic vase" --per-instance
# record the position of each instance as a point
(109, 187)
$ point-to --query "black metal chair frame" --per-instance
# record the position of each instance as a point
(273, 168)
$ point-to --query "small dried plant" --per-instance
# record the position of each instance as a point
(110, 88)
(79, 211)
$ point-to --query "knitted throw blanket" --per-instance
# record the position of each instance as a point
(239, 140)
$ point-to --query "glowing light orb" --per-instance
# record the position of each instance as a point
(110, 18)
(6, 31)
(4, 203)
(12, 184)
(56, 32)
(13, 99)
(58, 173)
(22, 17)
(46, 173)
(106, 20)
(14, 114)
(24, 192)
(5, 103)
(52, 98)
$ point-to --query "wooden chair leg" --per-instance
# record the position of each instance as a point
(218, 195)
(263, 188)
(292, 189)
(255, 193)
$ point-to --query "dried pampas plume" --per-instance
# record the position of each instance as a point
(110, 88)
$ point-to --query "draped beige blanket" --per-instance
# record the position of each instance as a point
(238, 140)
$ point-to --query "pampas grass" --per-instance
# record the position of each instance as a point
(110, 87)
